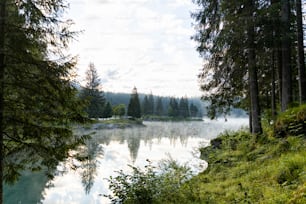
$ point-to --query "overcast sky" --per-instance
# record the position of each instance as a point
(142, 43)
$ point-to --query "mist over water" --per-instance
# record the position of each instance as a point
(112, 150)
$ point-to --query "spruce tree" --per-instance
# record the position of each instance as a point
(37, 101)
(134, 109)
(108, 111)
(92, 93)
(151, 104)
(159, 107)
(145, 106)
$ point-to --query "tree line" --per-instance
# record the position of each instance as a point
(98, 106)
(255, 56)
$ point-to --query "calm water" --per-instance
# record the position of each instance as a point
(113, 150)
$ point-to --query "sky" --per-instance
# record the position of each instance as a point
(141, 43)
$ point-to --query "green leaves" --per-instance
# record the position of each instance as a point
(151, 185)
(134, 109)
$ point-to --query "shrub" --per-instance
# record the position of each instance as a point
(291, 122)
(150, 185)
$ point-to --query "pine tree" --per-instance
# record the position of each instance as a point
(151, 104)
(37, 101)
(193, 110)
(301, 54)
(134, 109)
(92, 94)
(107, 111)
(159, 107)
(173, 108)
(184, 108)
(145, 106)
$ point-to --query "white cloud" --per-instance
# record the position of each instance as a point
(144, 43)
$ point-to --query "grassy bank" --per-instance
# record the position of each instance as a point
(243, 168)
(169, 118)
(114, 123)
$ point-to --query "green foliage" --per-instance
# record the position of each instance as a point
(148, 105)
(246, 169)
(291, 122)
(38, 102)
(193, 110)
(184, 107)
(108, 111)
(173, 108)
(159, 107)
(119, 110)
(151, 185)
(134, 109)
(92, 95)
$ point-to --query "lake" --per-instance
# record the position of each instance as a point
(112, 150)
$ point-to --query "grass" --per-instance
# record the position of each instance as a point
(246, 168)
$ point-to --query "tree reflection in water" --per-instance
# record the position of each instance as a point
(87, 157)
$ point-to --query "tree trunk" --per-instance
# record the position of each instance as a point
(253, 82)
(277, 49)
(301, 57)
(2, 67)
(273, 97)
(286, 55)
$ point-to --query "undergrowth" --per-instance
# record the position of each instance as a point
(243, 168)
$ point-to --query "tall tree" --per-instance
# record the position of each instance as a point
(252, 70)
(37, 101)
(159, 107)
(301, 54)
(184, 107)
(107, 111)
(151, 104)
(145, 106)
(134, 109)
(286, 55)
(2, 67)
(193, 110)
(92, 93)
(173, 108)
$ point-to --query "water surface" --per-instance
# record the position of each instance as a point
(112, 150)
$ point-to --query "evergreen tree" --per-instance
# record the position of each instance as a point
(173, 108)
(159, 107)
(286, 55)
(184, 107)
(301, 54)
(151, 104)
(92, 94)
(37, 101)
(108, 111)
(193, 110)
(248, 41)
(145, 106)
(134, 105)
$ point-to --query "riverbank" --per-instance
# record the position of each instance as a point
(245, 168)
(169, 119)
(242, 168)
(117, 123)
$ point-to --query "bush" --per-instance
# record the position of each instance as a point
(151, 185)
(291, 122)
